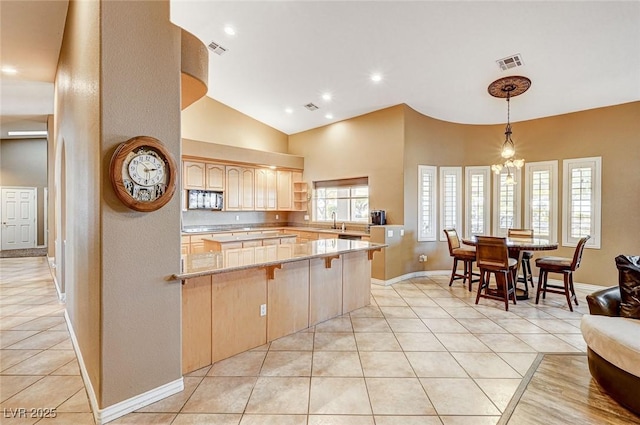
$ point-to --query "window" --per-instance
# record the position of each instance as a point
(343, 200)
(477, 200)
(426, 203)
(450, 200)
(541, 199)
(581, 201)
(506, 202)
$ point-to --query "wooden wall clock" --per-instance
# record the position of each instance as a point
(143, 174)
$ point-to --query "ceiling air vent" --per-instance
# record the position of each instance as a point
(510, 62)
(216, 48)
(311, 106)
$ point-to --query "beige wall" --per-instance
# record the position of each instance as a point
(390, 144)
(428, 142)
(125, 313)
(211, 121)
(370, 145)
(611, 133)
(23, 162)
(77, 127)
(141, 310)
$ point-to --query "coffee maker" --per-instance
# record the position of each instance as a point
(378, 217)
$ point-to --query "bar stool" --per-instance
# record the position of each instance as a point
(527, 276)
(465, 254)
(566, 266)
(493, 257)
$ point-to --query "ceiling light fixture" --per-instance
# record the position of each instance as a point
(229, 30)
(289, 110)
(329, 116)
(508, 87)
(376, 78)
(326, 96)
(9, 70)
(28, 133)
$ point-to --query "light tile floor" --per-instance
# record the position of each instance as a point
(421, 353)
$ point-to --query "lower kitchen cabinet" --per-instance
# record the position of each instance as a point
(288, 294)
(222, 314)
(325, 289)
(196, 323)
(237, 326)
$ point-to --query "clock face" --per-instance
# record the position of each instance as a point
(143, 174)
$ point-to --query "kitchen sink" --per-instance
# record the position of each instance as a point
(350, 237)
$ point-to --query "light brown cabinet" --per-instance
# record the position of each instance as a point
(239, 195)
(284, 180)
(265, 189)
(193, 175)
(215, 176)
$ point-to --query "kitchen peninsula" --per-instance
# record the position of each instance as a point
(237, 299)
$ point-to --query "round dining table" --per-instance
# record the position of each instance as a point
(520, 245)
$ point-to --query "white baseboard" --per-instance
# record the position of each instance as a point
(411, 275)
(108, 414)
(52, 268)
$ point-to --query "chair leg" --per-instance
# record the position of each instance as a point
(470, 275)
(481, 285)
(540, 280)
(513, 290)
(465, 272)
(453, 272)
(573, 292)
(566, 290)
(544, 284)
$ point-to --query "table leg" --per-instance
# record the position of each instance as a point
(522, 294)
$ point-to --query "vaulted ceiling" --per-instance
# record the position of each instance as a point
(436, 56)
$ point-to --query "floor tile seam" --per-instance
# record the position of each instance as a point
(25, 388)
(32, 336)
(16, 364)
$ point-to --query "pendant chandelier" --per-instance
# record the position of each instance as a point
(508, 87)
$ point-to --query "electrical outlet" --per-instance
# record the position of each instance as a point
(237, 218)
(277, 216)
(422, 258)
(401, 232)
(306, 217)
(263, 310)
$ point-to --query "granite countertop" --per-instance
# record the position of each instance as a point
(201, 230)
(223, 238)
(194, 265)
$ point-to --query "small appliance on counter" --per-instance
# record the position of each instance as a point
(378, 217)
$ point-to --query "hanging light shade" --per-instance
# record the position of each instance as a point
(508, 87)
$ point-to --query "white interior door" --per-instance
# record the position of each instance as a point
(18, 218)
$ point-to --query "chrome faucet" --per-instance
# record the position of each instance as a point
(333, 217)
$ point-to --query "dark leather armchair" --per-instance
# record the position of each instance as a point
(605, 302)
(621, 385)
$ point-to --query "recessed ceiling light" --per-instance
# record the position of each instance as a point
(9, 70)
(229, 30)
(329, 116)
(28, 133)
(376, 78)
(326, 96)
(289, 110)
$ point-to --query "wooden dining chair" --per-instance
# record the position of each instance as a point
(527, 276)
(493, 257)
(465, 254)
(566, 266)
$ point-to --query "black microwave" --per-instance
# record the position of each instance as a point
(205, 200)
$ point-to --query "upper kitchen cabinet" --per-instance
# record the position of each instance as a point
(240, 192)
(202, 176)
(266, 189)
(284, 181)
(193, 175)
(215, 177)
